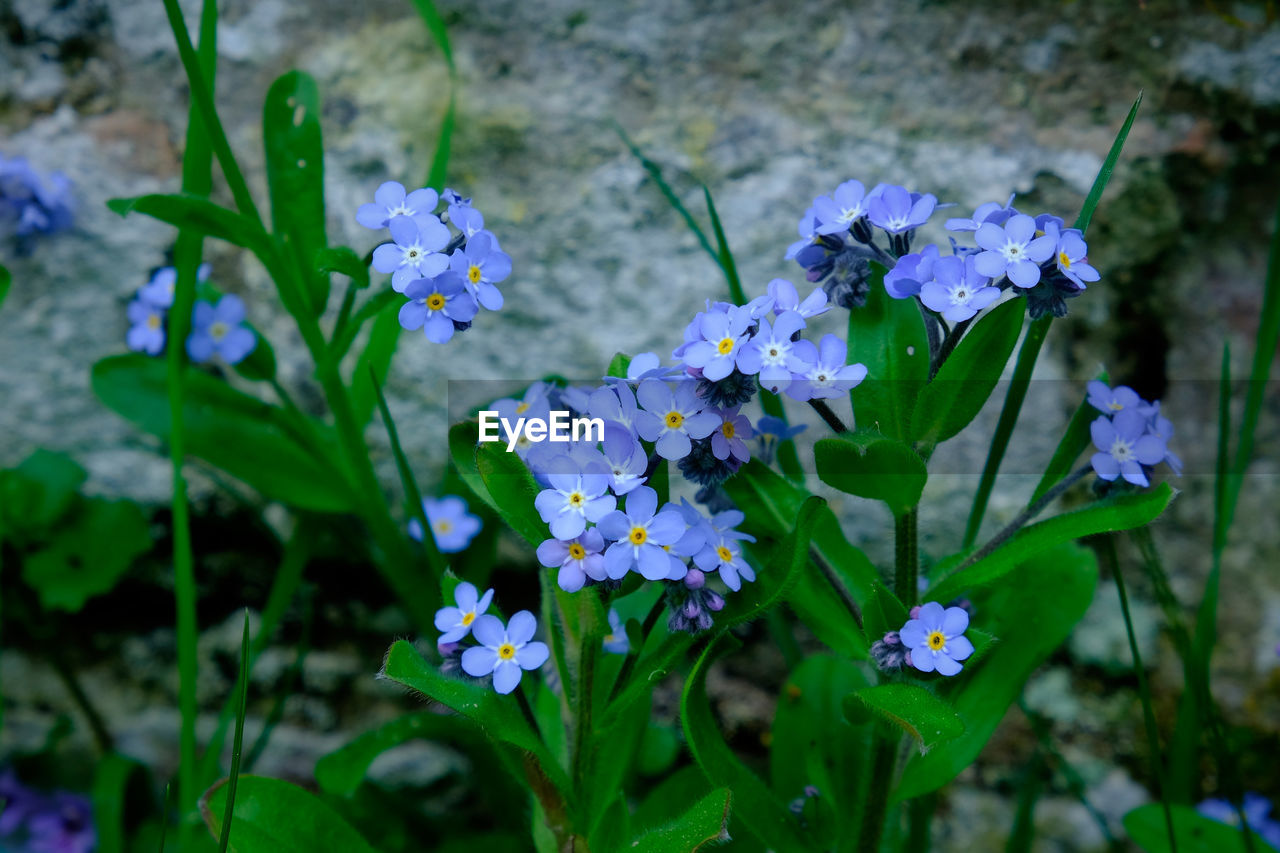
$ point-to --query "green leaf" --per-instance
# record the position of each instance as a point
(383, 338)
(201, 216)
(463, 444)
(6, 279)
(40, 490)
(115, 778)
(345, 261)
(618, 365)
(869, 465)
(295, 177)
(758, 809)
(237, 740)
(770, 502)
(245, 437)
(435, 25)
(1106, 516)
(888, 336)
(341, 772)
(1108, 166)
(813, 743)
(513, 490)
(705, 823)
(929, 720)
(724, 255)
(1032, 612)
(273, 816)
(94, 548)
(1074, 442)
(497, 716)
(1194, 832)
(966, 379)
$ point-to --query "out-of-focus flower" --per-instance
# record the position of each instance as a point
(219, 330)
(452, 526)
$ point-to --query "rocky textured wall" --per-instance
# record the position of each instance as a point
(769, 103)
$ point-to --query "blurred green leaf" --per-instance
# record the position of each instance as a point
(513, 489)
(888, 336)
(869, 465)
(435, 26)
(40, 490)
(813, 744)
(6, 279)
(342, 771)
(345, 261)
(1032, 612)
(705, 823)
(245, 437)
(953, 398)
(377, 353)
(1194, 832)
(114, 778)
(295, 176)
(201, 216)
(919, 713)
(273, 816)
(1106, 516)
(94, 547)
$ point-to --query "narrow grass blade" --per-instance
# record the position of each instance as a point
(6, 279)
(1023, 832)
(444, 145)
(412, 494)
(674, 200)
(435, 25)
(243, 689)
(725, 258)
(285, 687)
(164, 822)
(1031, 345)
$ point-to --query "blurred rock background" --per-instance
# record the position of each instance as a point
(769, 104)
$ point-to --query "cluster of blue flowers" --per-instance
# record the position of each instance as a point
(1257, 810)
(1131, 435)
(446, 277)
(30, 205)
(217, 329)
(60, 822)
(1039, 257)
(932, 641)
(452, 526)
(501, 651)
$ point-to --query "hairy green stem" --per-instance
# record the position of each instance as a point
(884, 757)
(837, 584)
(584, 694)
(906, 558)
(832, 419)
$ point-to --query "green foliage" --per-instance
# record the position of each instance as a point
(116, 778)
(343, 260)
(1193, 832)
(705, 823)
(618, 365)
(1106, 516)
(6, 279)
(295, 177)
(203, 217)
(38, 492)
(341, 772)
(918, 712)
(96, 543)
(867, 464)
(1031, 613)
(512, 489)
(272, 816)
(888, 336)
(953, 398)
(261, 444)
(1074, 442)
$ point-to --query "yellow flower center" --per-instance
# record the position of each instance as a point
(1064, 261)
(673, 420)
(468, 617)
(474, 274)
(1115, 405)
(506, 651)
(725, 346)
(218, 331)
(728, 429)
(937, 640)
(638, 535)
(725, 555)
(576, 499)
(577, 552)
(435, 301)
(442, 526)
(153, 321)
(521, 408)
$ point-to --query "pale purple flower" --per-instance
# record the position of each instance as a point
(1109, 401)
(1013, 250)
(841, 209)
(147, 332)
(721, 335)
(454, 623)
(808, 229)
(160, 289)
(415, 254)
(626, 459)
(723, 554)
(645, 365)
(958, 290)
(639, 534)
(219, 330)
(615, 404)
(578, 558)
(671, 417)
(575, 497)
(62, 824)
(390, 201)
(935, 638)
(911, 272)
(504, 651)
(896, 210)
(1124, 447)
(464, 217)
(729, 438)
(434, 303)
(481, 266)
(770, 432)
(826, 373)
(1071, 255)
(616, 641)
(452, 526)
(1163, 427)
(771, 352)
(992, 211)
(785, 298)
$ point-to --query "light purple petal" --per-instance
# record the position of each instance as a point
(506, 676)
(521, 628)
(488, 630)
(533, 655)
(954, 621)
(478, 661)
